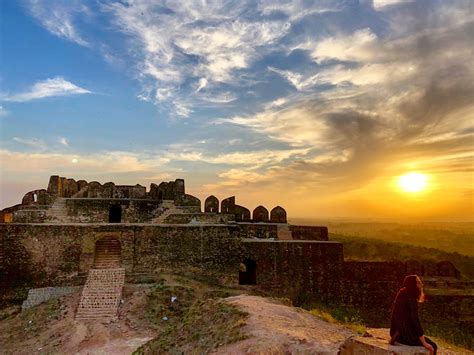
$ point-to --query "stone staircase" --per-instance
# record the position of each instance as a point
(284, 232)
(169, 208)
(57, 213)
(101, 294)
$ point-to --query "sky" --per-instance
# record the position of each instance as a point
(317, 106)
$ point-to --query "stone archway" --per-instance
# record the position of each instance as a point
(108, 253)
(248, 272)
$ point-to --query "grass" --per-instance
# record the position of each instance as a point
(345, 316)
(189, 318)
(30, 322)
(201, 328)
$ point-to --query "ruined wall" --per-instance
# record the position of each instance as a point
(29, 214)
(171, 190)
(45, 255)
(84, 210)
(372, 284)
(53, 255)
(207, 218)
(309, 232)
(257, 230)
(298, 269)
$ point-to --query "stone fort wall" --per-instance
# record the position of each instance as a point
(40, 255)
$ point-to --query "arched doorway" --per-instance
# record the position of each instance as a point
(108, 253)
(115, 214)
(248, 272)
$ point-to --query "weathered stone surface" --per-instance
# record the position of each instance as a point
(188, 201)
(172, 190)
(95, 189)
(81, 184)
(37, 296)
(278, 215)
(242, 214)
(228, 205)
(375, 345)
(297, 268)
(373, 283)
(260, 214)
(211, 204)
(69, 188)
(108, 191)
(53, 185)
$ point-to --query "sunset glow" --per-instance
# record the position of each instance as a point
(413, 182)
(344, 107)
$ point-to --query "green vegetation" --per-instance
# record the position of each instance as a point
(359, 248)
(29, 323)
(451, 237)
(190, 323)
(335, 313)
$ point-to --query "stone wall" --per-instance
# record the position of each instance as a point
(87, 210)
(37, 296)
(298, 269)
(258, 230)
(207, 218)
(372, 285)
(44, 255)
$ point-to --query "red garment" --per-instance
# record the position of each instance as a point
(404, 320)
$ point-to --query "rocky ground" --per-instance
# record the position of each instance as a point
(178, 315)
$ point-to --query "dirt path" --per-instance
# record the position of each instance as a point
(274, 328)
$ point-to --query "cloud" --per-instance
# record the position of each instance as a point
(356, 46)
(63, 141)
(185, 47)
(389, 103)
(57, 86)
(299, 81)
(35, 143)
(58, 17)
(3, 112)
(381, 4)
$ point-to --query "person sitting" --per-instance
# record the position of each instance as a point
(405, 326)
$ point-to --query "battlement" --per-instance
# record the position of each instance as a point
(69, 201)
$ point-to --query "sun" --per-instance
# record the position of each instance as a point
(413, 182)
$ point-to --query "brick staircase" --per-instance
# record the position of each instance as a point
(57, 213)
(101, 294)
(284, 232)
(107, 254)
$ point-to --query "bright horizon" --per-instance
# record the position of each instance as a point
(338, 109)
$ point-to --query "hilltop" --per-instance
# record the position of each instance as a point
(181, 314)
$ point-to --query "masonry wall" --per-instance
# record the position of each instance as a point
(298, 269)
(88, 210)
(258, 230)
(372, 285)
(39, 255)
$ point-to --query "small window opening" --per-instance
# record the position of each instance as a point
(248, 272)
(35, 197)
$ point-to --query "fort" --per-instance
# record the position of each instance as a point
(103, 235)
